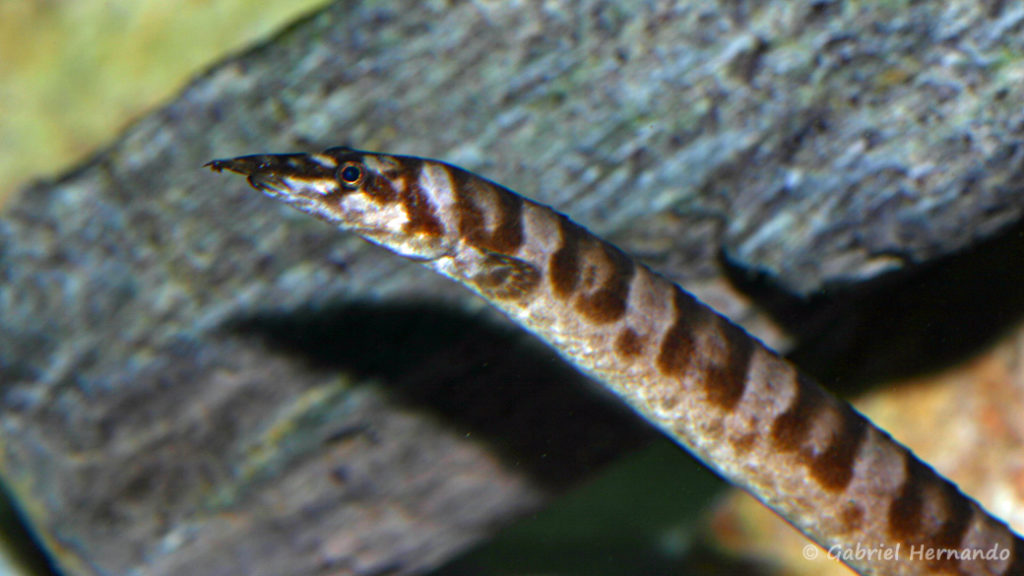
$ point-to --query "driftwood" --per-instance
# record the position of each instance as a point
(197, 380)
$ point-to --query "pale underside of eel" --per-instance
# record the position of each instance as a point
(703, 381)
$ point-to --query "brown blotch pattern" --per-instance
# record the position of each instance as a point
(508, 235)
(906, 520)
(470, 192)
(743, 443)
(565, 262)
(505, 277)
(905, 509)
(728, 379)
(422, 216)
(833, 468)
(958, 518)
(380, 188)
(852, 516)
(609, 302)
(790, 429)
(677, 346)
(629, 344)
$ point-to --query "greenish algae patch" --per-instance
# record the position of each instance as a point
(74, 74)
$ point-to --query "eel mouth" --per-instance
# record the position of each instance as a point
(276, 174)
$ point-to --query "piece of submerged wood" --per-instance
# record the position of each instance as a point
(154, 415)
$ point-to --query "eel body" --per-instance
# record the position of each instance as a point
(714, 389)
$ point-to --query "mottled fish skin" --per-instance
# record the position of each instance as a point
(706, 383)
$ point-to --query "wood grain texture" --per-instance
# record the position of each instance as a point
(129, 397)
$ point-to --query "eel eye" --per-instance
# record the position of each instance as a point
(351, 174)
